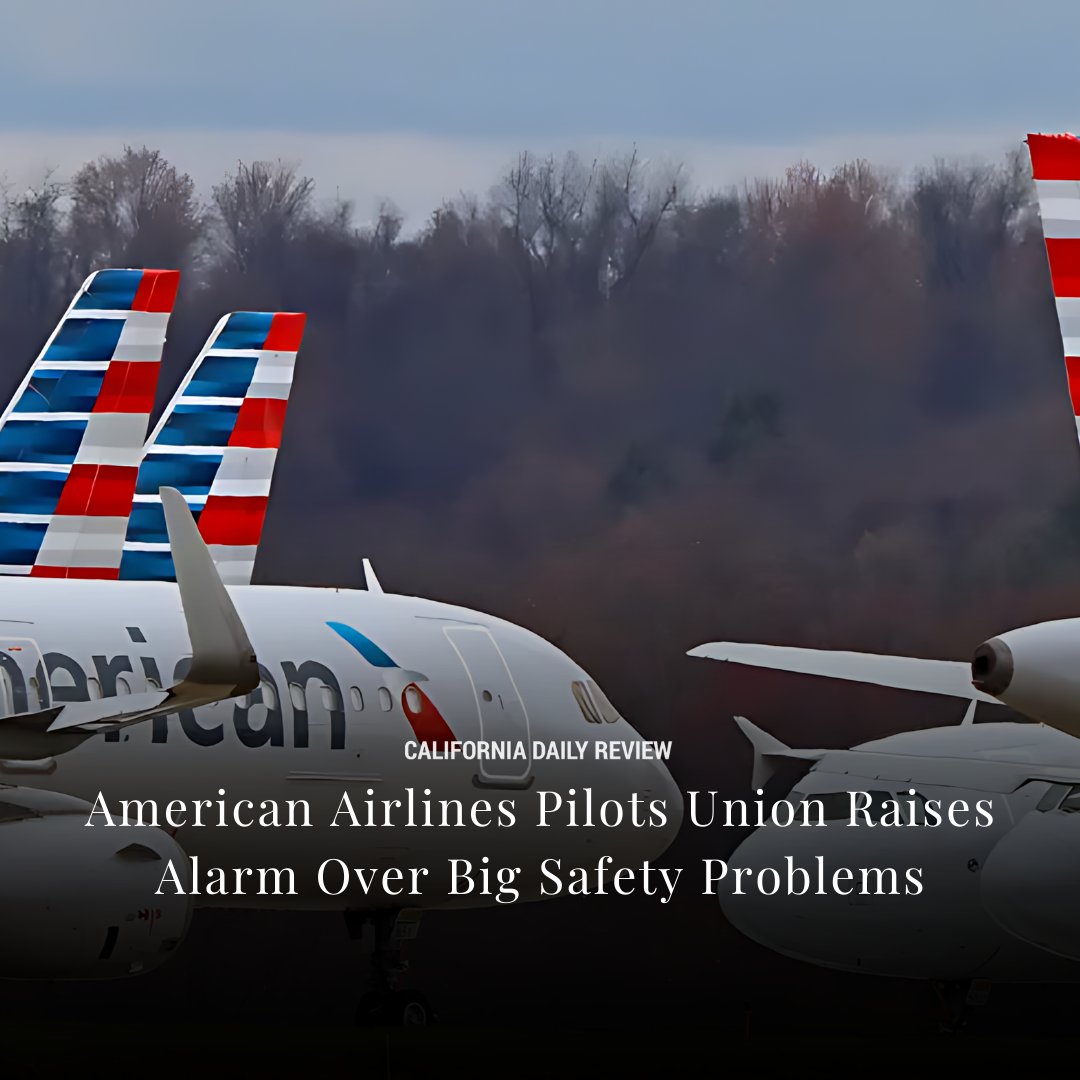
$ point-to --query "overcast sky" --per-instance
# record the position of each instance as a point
(420, 99)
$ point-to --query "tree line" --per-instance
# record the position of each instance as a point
(827, 408)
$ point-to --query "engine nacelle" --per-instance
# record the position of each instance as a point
(1034, 670)
(79, 902)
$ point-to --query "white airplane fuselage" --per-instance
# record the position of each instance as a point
(334, 720)
(972, 917)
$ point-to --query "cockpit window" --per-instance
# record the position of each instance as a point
(585, 703)
(606, 709)
(882, 803)
(835, 805)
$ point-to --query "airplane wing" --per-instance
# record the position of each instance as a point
(223, 663)
(72, 435)
(949, 677)
(217, 443)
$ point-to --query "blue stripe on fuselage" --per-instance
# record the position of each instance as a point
(363, 645)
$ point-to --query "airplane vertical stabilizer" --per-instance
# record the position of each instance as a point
(1055, 165)
(72, 435)
(217, 444)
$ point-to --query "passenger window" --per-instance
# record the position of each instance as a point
(122, 686)
(356, 698)
(93, 689)
(412, 699)
(266, 695)
(330, 699)
(296, 693)
(585, 703)
(386, 702)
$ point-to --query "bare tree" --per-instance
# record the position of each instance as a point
(32, 255)
(134, 210)
(634, 197)
(262, 206)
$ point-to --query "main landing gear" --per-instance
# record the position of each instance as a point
(955, 997)
(387, 934)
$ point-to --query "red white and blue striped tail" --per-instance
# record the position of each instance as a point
(217, 444)
(72, 436)
(1055, 164)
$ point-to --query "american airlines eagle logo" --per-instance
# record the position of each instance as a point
(427, 723)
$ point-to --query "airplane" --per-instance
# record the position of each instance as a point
(157, 680)
(996, 903)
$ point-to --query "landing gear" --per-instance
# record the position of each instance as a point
(955, 997)
(386, 934)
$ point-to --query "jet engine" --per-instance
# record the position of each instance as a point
(1034, 670)
(79, 902)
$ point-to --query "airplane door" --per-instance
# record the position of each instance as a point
(24, 685)
(503, 718)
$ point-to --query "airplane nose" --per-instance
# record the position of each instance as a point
(1031, 879)
(992, 667)
(779, 922)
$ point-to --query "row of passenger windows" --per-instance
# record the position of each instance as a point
(267, 695)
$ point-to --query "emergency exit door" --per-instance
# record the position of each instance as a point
(503, 719)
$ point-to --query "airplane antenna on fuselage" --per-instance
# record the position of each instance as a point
(370, 579)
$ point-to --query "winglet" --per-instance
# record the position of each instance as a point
(370, 578)
(770, 752)
(221, 653)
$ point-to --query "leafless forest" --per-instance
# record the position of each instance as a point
(827, 409)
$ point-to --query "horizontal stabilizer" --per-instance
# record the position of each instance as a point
(949, 677)
(769, 752)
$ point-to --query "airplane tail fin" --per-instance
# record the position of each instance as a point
(217, 443)
(770, 754)
(72, 435)
(1055, 166)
